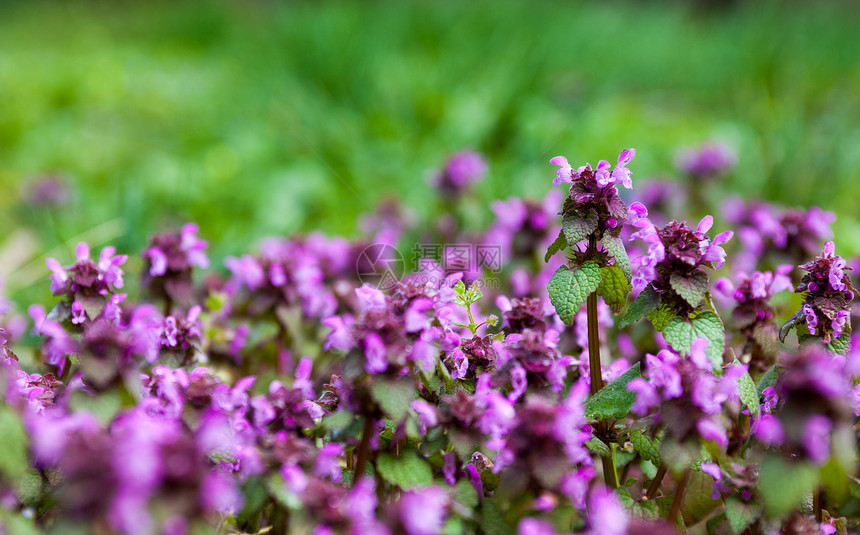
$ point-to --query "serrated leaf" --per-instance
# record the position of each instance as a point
(680, 334)
(784, 484)
(13, 461)
(556, 246)
(597, 446)
(646, 302)
(394, 396)
(768, 379)
(614, 246)
(576, 228)
(613, 400)
(692, 289)
(614, 288)
(568, 289)
(748, 392)
(648, 449)
(408, 471)
(660, 317)
(740, 515)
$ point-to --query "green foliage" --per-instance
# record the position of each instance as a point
(466, 297)
(613, 400)
(660, 317)
(13, 461)
(644, 304)
(681, 333)
(614, 288)
(647, 448)
(740, 515)
(784, 484)
(767, 380)
(692, 289)
(568, 289)
(615, 247)
(559, 244)
(492, 518)
(698, 500)
(749, 394)
(338, 420)
(408, 471)
(577, 228)
(393, 396)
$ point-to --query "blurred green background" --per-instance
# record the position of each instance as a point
(256, 118)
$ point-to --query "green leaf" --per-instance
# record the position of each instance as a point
(784, 484)
(556, 246)
(614, 246)
(748, 392)
(597, 446)
(698, 501)
(613, 400)
(393, 396)
(740, 515)
(493, 519)
(104, 406)
(576, 228)
(766, 380)
(407, 471)
(13, 461)
(648, 449)
(660, 317)
(338, 420)
(646, 302)
(614, 288)
(680, 334)
(568, 289)
(692, 289)
(466, 494)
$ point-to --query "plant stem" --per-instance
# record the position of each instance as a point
(593, 345)
(363, 449)
(654, 487)
(675, 510)
(609, 474)
(817, 499)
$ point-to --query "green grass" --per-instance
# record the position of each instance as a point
(257, 118)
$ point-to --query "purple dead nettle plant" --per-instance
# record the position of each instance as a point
(288, 395)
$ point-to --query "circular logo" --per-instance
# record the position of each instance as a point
(380, 265)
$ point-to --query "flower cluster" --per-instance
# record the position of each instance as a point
(687, 395)
(459, 173)
(828, 291)
(169, 260)
(707, 161)
(770, 235)
(593, 192)
(86, 284)
(672, 264)
(753, 314)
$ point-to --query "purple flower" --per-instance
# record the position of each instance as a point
(423, 511)
(427, 416)
(606, 514)
(709, 160)
(816, 438)
(460, 171)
